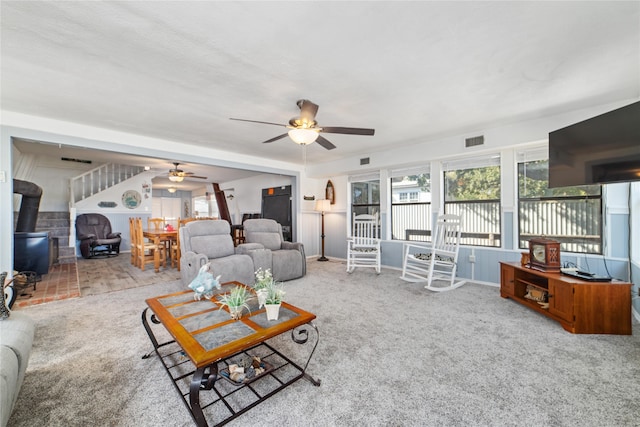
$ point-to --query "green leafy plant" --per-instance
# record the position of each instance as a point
(264, 278)
(275, 293)
(236, 300)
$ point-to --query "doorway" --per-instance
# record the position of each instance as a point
(276, 205)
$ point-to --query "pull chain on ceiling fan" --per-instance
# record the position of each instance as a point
(304, 130)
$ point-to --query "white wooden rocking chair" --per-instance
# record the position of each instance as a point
(363, 248)
(438, 261)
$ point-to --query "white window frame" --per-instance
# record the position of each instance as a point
(491, 159)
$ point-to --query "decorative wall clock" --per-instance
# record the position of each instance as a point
(330, 193)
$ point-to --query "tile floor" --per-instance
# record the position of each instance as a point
(91, 277)
(60, 283)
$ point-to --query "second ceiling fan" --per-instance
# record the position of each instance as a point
(177, 175)
(305, 130)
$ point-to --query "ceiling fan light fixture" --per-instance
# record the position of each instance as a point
(176, 178)
(303, 136)
(172, 189)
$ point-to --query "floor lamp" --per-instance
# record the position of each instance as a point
(323, 206)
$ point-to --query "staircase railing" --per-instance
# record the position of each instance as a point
(99, 179)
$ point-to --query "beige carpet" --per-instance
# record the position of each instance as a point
(390, 354)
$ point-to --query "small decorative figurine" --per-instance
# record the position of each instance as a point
(204, 283)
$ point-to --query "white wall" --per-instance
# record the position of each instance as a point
(52, 174)
(413, 153)
(248, 193)
(140, 183)
(16, 125)
(310, 180)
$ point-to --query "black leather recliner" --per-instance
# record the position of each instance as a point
(96, 238)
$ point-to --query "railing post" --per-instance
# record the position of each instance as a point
(100, 178)
(72, 227)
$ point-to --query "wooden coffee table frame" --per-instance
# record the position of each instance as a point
(191, 358)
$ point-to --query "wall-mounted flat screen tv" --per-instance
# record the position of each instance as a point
(600, 150)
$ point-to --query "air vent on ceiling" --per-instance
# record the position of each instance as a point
(68, 159)
(364, 161)
(473, 141)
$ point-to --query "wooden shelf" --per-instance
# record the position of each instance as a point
(581, 307)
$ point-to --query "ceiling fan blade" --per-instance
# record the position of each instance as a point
(325, 143)
(257, 121)
(348, 131)
(308, 109)
(275, 138)
(195, 176)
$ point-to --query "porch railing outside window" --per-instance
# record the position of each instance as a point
(365, 198)
(472, 190)
(480, 221)
(574, 223)
(411, 204)
(411, 221)
(570, 215)
(373, 209)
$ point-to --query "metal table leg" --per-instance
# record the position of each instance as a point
(205, 378)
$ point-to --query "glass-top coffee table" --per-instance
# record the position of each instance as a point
(197, 341)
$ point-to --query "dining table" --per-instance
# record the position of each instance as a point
(162, 237)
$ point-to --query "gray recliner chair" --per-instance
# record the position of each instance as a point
(269, 250)
(210, 241)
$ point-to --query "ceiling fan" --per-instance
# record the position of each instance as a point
(305, 130)
(177, 175)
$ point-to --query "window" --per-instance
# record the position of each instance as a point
(411, 204)
(205, 206)
(634, 195)
(571, 215)
(472, 190)
(365, 195)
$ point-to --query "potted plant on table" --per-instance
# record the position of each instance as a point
(264, 279)
(236, 300)
(275, 293)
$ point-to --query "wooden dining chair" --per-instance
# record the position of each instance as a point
(132, 238)
(146, 251)
(174, 255)
(155, 223)
(175, 247)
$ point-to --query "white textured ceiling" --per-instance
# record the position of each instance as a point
(414, 71)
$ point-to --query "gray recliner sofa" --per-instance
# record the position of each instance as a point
(16, 340)
(268, 249)
(210, 241)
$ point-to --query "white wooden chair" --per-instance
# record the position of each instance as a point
(423, 262)
(363, 247)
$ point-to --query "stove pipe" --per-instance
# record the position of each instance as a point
(28, 215)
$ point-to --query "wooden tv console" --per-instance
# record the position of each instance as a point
(581, 307)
